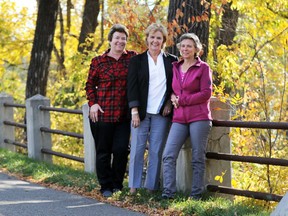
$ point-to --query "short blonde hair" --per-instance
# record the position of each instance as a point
(194, 38)
(154, 27)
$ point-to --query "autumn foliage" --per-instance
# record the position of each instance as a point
(251, 71)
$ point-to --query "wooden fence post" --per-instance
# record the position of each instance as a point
(6, 114)
(89, 146)
(219, 141)
(36, 119)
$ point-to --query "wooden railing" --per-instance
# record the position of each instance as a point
(248, 159)
(41, 112)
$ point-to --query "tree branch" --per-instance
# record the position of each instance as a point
(259, 49)
(279, 13)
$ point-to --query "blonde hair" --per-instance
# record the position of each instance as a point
(154, 27)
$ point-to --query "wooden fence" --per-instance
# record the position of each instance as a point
(39, 144)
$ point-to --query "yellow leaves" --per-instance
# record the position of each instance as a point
(219, 92)
(213, 6)
(234, 183)
(220, 177)
(236, 100)
(15, 46)
(251, 96)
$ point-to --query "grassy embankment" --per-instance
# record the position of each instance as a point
(80, 182)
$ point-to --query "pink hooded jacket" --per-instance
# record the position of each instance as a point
(194, 92)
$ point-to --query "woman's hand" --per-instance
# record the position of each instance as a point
(93, 114)
(167, 108)
(175, 100)
(135, 117)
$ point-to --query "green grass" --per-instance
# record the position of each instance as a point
(150, 204)
(50, 174)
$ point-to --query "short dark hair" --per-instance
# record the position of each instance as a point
(117, 28)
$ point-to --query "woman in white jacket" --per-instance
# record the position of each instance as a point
(149, 90)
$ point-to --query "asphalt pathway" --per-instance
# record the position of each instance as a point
(21, 198)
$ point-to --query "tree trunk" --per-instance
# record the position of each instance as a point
(89, 24)
(225, 35)
(68, 8)
(59, 54)
(189, 16)
(229, 24)
(42, 47)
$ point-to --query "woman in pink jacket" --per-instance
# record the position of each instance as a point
(192, 90)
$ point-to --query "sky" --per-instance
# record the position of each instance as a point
(30, 4)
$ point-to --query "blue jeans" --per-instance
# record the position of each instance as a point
(154, 129)
(178, 134)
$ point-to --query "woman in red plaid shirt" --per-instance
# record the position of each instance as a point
(109, 119)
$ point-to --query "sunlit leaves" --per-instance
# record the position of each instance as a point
(16, 37)
(253, 70)
(236, 100)
(137, 16)
(220, 178)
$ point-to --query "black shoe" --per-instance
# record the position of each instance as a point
(107, 193)
(166, 196)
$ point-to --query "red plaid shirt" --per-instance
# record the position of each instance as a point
(106, 86)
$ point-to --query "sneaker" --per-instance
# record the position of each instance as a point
(166, 196)
(107, 193)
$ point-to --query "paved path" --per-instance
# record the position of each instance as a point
(20, 198)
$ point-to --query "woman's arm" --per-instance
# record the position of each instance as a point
(205, 90)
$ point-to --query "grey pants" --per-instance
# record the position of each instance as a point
(178, 134)
(154, 129)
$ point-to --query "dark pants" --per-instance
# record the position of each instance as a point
(111, 143)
